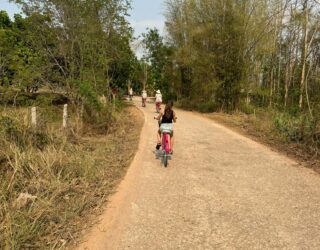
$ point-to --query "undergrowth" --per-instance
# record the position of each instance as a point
(50, 178)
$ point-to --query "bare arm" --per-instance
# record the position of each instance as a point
(174, 117)
(159, 116)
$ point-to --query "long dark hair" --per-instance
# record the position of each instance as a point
(168, 109)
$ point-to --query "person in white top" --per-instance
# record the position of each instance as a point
(158, 101)
(130, 94)
(144, 98)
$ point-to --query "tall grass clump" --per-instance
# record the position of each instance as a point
(50, 177)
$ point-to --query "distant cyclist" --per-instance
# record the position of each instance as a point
(158, 101)
(166, 118)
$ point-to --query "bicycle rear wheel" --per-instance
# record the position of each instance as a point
(165, 160)
(165, 148)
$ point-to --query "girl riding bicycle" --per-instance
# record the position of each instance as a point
(166, 119)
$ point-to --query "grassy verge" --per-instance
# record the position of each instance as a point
(261, 127)
(51, 180)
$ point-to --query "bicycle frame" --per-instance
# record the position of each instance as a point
(166, 143)
(166, 148)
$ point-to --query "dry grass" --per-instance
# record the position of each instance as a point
(260, 127)
(68, 175)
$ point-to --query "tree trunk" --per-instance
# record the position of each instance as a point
(271, 89)
(304, 54)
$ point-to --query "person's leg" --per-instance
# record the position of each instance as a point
(158, 140)
(172, 142)
(159, 137)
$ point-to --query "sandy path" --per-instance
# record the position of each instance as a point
(221, 190)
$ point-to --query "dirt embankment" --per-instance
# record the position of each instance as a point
(261, 129)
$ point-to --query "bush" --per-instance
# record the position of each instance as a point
(294, 128)
(201, 106)
(98, 121)
(28, 99)
(39, 139)
(185, 104)
(207, 107)
(247, 108)
(47, 99)
(10, 131)
(22, 136)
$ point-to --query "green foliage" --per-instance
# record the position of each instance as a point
(247, 108)
(80, 47)
(17, 98)
(199, 105)
(228, 50)
(99, 122)
(89, 96)
(158, 58)
(208, 49)
(207, 107)
(294, 128)
(48, 99)
(5, 21)
(21, 136)
(10, 131)
(23, 65)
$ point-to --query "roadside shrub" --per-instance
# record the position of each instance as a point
(39, 139)
(10, 131)
(185, 104)
(294, 128)
(89, 95)
(22, 99)
(98, 121)
(170, 96)
(247, 108)
(207, 107)
(22, 136)
(10, 97)
(198, 105)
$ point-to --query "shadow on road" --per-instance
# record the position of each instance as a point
(159, 155)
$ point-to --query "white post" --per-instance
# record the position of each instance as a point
(65, 115)
(34, 116)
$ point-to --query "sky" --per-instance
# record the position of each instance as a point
(145, 14)
(9, 7)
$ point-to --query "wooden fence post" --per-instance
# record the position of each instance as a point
(65, 116)
(34, 116)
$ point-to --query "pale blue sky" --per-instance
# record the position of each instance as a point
(145, 14)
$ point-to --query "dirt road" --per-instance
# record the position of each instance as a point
(220, 191)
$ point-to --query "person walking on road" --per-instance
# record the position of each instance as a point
(158, 101)
(144, 97)
(130, 94)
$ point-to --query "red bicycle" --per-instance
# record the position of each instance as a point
(166, 130)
